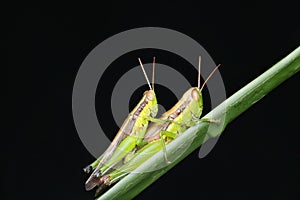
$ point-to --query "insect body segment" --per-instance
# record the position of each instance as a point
(133, 138)
(127, 139)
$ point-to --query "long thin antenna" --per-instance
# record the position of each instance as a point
(210, 76)
(199, 76)
(153, 69)
(145, 73)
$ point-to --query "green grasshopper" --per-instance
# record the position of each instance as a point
(129, 137)
(185, 113)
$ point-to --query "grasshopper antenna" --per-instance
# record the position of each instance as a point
(199, 66)
(145, 74)
(210, 76)
(153, 69)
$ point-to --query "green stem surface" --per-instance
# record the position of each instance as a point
(147, 173)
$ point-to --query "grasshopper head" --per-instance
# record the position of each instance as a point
(195, 101)
(152, 102)
(194, 94)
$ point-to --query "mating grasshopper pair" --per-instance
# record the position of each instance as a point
(134, 143)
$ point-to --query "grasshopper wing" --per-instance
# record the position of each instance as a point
(124, 131)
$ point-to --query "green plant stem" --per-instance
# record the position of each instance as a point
(239, 102)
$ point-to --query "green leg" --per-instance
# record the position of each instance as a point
(129, 156)
(139, 157)
(125, 147)
(168, 134)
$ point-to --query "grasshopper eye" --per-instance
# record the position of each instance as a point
(195, 94)
(149, 95)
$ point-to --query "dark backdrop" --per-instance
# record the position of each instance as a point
(257, 156)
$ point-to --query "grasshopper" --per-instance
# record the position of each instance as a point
(185, 113)
(129, 136)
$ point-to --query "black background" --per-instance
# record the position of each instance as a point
(256, 157)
